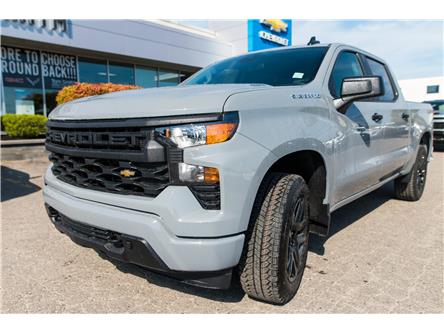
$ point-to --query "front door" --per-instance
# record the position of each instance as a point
(359, 136)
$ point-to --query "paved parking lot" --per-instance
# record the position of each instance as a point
(383, 256)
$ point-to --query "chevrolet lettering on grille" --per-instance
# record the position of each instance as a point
(96, 139)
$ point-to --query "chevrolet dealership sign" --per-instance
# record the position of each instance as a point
(49, 25)
(268, 33)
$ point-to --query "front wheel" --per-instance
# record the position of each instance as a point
(274, 259)
(411, 186)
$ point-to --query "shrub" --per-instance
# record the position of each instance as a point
(24, 125)
(79, 90)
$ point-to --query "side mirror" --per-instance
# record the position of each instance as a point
(356, 88)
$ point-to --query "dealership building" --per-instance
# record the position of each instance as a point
(423, 89)
(39, 57)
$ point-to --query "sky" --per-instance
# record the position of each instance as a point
(412, 48)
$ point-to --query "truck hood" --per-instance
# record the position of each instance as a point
(153, 102)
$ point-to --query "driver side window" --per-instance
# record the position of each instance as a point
(346, 65)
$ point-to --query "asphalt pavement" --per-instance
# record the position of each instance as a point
(382, 256)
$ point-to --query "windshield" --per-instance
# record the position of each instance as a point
(286, 67)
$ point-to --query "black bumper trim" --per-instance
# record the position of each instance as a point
(134, 250)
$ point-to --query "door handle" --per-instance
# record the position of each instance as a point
(360, 129)
(405, 116)
(377, 117)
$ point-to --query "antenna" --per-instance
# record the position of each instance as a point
(313, 41)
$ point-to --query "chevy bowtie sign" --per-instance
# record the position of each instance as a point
(275, 25)
(268, 33)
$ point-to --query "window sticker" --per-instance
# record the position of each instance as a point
(298, 75)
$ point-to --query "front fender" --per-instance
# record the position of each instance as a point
(283, 125)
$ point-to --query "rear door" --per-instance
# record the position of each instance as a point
(394, 118)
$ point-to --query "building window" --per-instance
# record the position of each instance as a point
(433, 89)
(92, 70)
(20, 100)
(146, 77)
(121, 73)
(184, 76)
(22, 81)
(31, 79)
(50, 99)
(168, 78)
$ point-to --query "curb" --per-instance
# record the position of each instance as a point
(27, 150)
(22, 142)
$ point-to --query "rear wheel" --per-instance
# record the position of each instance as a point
(410, 187)
(274, 259)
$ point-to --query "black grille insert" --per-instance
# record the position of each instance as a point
(123, 177)
(207, 195)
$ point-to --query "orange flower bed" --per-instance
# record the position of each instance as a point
(79, 90)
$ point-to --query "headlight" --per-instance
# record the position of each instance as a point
(188, 135)
(202, 134)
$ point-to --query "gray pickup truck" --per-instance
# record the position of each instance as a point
(231, 170)
(438, 121)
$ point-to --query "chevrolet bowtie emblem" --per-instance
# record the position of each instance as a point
(127, 173)
(275, 24)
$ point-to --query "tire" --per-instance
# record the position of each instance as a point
(411, 186)
(275, 253)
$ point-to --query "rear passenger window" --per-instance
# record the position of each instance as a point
(346, 65)
(379, 69)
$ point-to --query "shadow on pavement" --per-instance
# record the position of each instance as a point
(232, 295)
(347, 215)
(341, 219)
(15, 184)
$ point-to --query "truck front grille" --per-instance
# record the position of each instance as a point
(438, 125)
(123, 156)
(123, 177)
(117, 156)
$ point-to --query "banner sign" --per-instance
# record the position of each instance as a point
(21, 67)
(268, 33)
(58, 70)
(26, 68)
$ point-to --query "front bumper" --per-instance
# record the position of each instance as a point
(178, 254)
(134, 250)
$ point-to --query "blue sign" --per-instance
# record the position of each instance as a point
(268, 33)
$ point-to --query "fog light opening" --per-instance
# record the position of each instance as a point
(198, 174)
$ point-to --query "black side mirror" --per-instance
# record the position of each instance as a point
(356, 88)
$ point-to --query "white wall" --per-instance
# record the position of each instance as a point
(234, 32)
(137, 38)
(416, 89)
